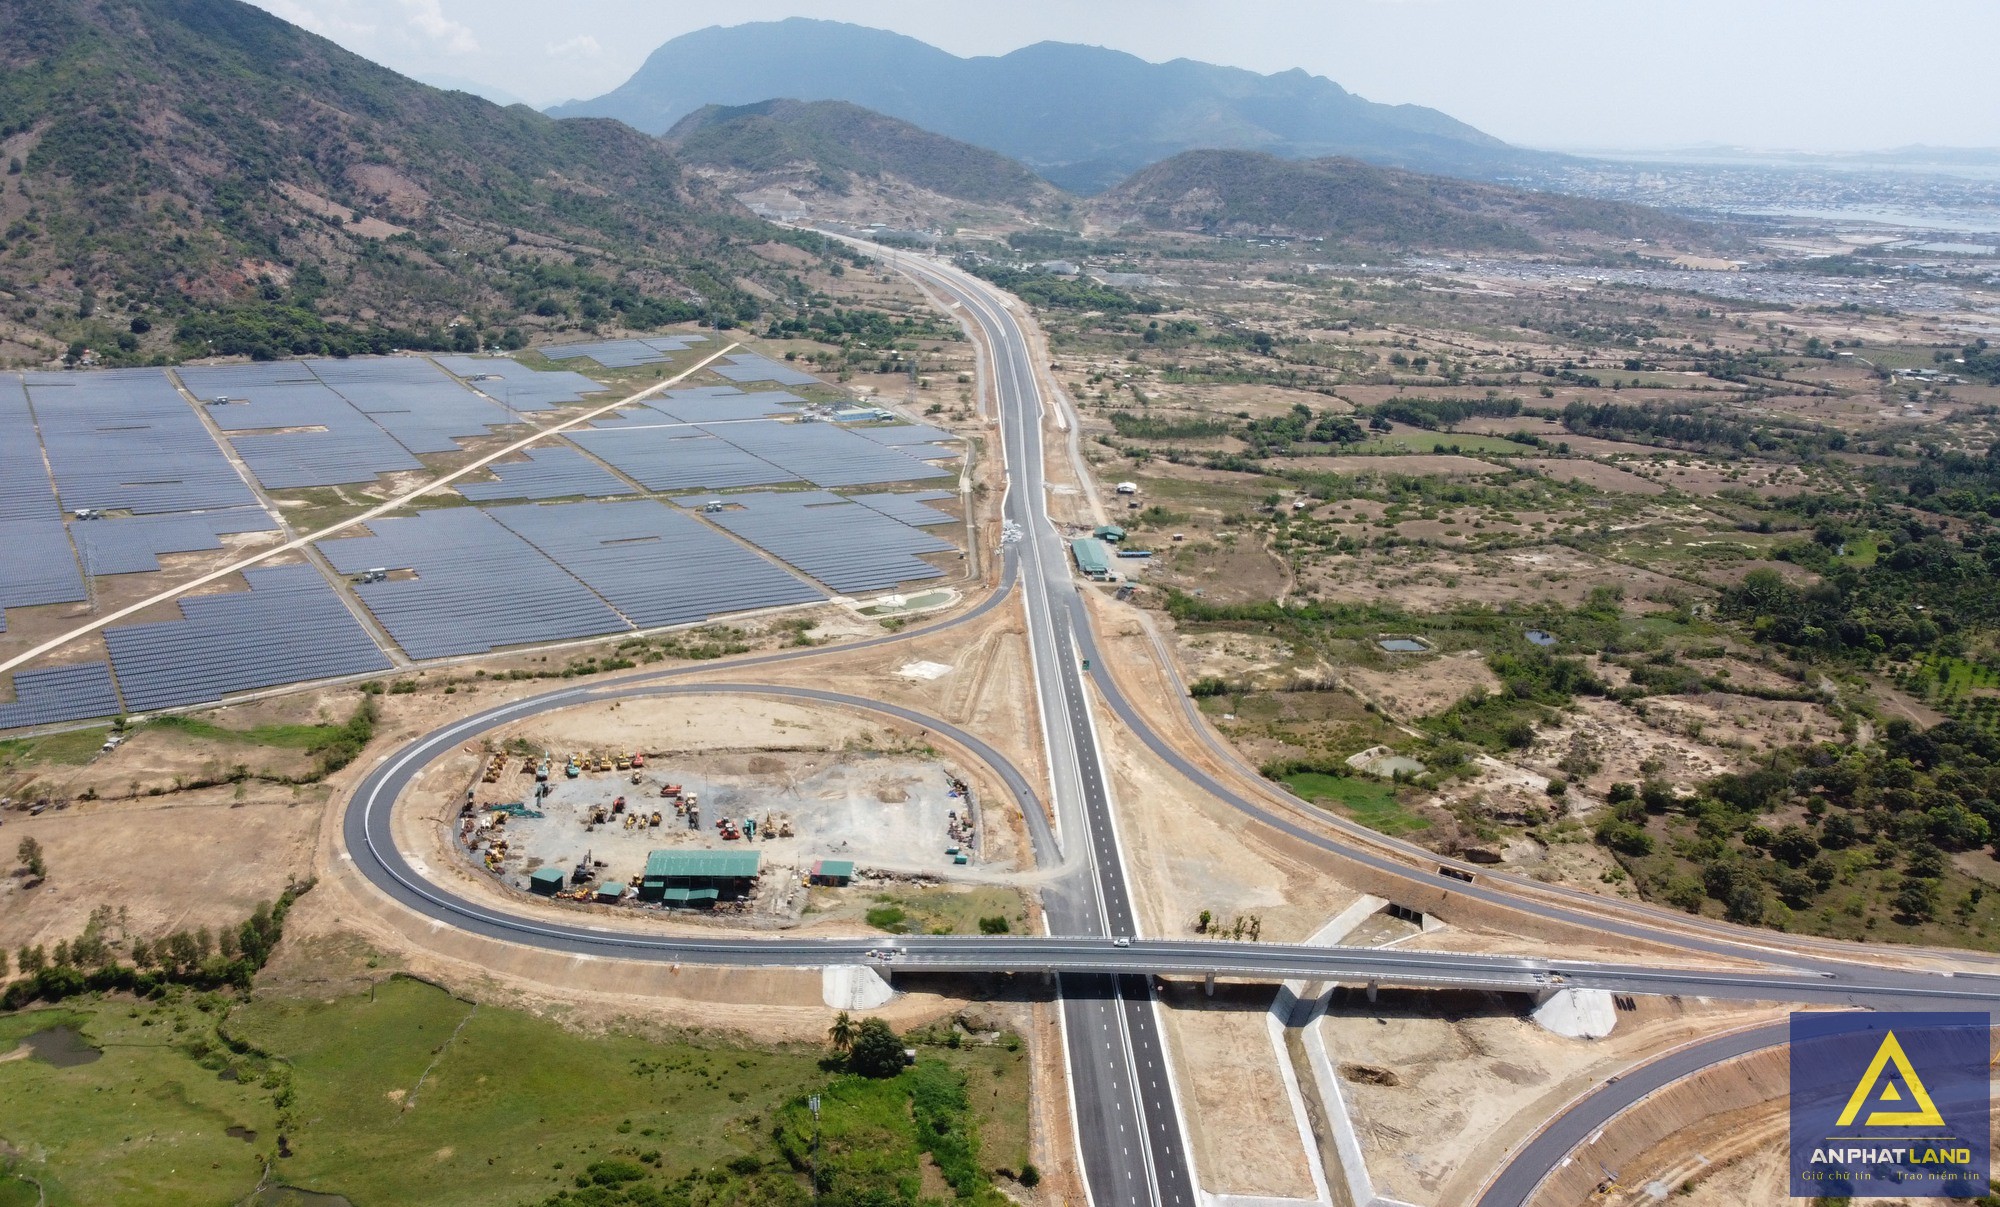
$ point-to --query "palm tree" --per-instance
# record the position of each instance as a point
(841, 1034)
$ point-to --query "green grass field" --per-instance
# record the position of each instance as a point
(1463, 442)
(406, 1095)
(1370, 802)
(946, 911)
(71, 749)
(292, 737)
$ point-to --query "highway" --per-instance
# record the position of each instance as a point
(1127, 1125)
(1516, 1181)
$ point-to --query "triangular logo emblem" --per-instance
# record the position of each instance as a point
(1891, 1054)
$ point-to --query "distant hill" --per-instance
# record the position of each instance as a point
(1246, 193)
(836, 147)
(1083, 117)
(201, 169)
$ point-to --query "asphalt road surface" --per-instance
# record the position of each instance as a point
(1127, 1125)
(1548, 1151)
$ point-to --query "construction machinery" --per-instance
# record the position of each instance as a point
(572, 770)
(670, 791)
(624, 763)
(618, 806)
(656, 817)
(638, 758)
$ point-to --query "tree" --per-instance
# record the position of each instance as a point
(841, 1033)
(30, 853)
(1917, 901)
(1201, 923)
(996, 925)
(877, 1050)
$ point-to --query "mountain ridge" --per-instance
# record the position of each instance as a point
(205, 166)
(1091, 116)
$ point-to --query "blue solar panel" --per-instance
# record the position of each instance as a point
(898, 435)
(656, 565)
(749, 366)
(517, 387)
(352, 448)
(476, 586)
(39, 566)
(125, 439)
(554, 472)
(845, 545)
(824, 454)
(133, 546)
(911, 509)
(717, 404)
(412, 399)
(679, 458)
(60, 693)
(290, 626)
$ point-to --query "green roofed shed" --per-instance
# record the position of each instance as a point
(698, 877)
(832, 871)
(1091, 557)
(705, 865)
(546, 881)
(611, 890)
(1109, 532)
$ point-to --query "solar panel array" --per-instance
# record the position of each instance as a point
(623, 353)
(679, 458)
(719, 404)
(898, 435)
(750, 366)
(477, 585)
(554, 471)
(40, 567)
(826, 455)
(517, 386)
(656, 565)
(845, 545)
(414, 401)
(125, 439)
(370, 416)
(133, 546)
(910, 508)
(289, 626)
(60, 693)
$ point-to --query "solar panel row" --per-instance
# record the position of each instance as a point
(40, 567)
(551, 472)
(825, 454)
(133, 546)
(749, 366)
(845, 545)
(289, 626)
(623, 353)
(679, 458)
(477, 586)
(910, 508)
(656, 565)
(60, 693)
(516, 386)
(124, 439)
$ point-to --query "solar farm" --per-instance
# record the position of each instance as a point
(698, 502)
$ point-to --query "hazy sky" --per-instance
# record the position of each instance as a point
(1806, 74)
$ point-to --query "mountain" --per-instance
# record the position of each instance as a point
(1251, 193)
(832, 147)
(1083, 116)
(188, 173)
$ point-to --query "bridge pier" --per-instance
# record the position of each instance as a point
(1208, 983)
(1372, 988)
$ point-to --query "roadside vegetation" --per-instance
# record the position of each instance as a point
(405, 1094)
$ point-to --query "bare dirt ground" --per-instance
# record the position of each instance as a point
(1435, 580)
(1424, 686)
(1246, 1140)
(1597, 474)
(1469, 1077)
(193, 859)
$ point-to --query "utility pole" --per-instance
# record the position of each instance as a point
(812, 1103)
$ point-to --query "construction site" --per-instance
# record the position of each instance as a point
(740, 833)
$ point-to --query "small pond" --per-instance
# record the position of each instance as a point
(1404, 645)
(63, 1047)
(1540, 638)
